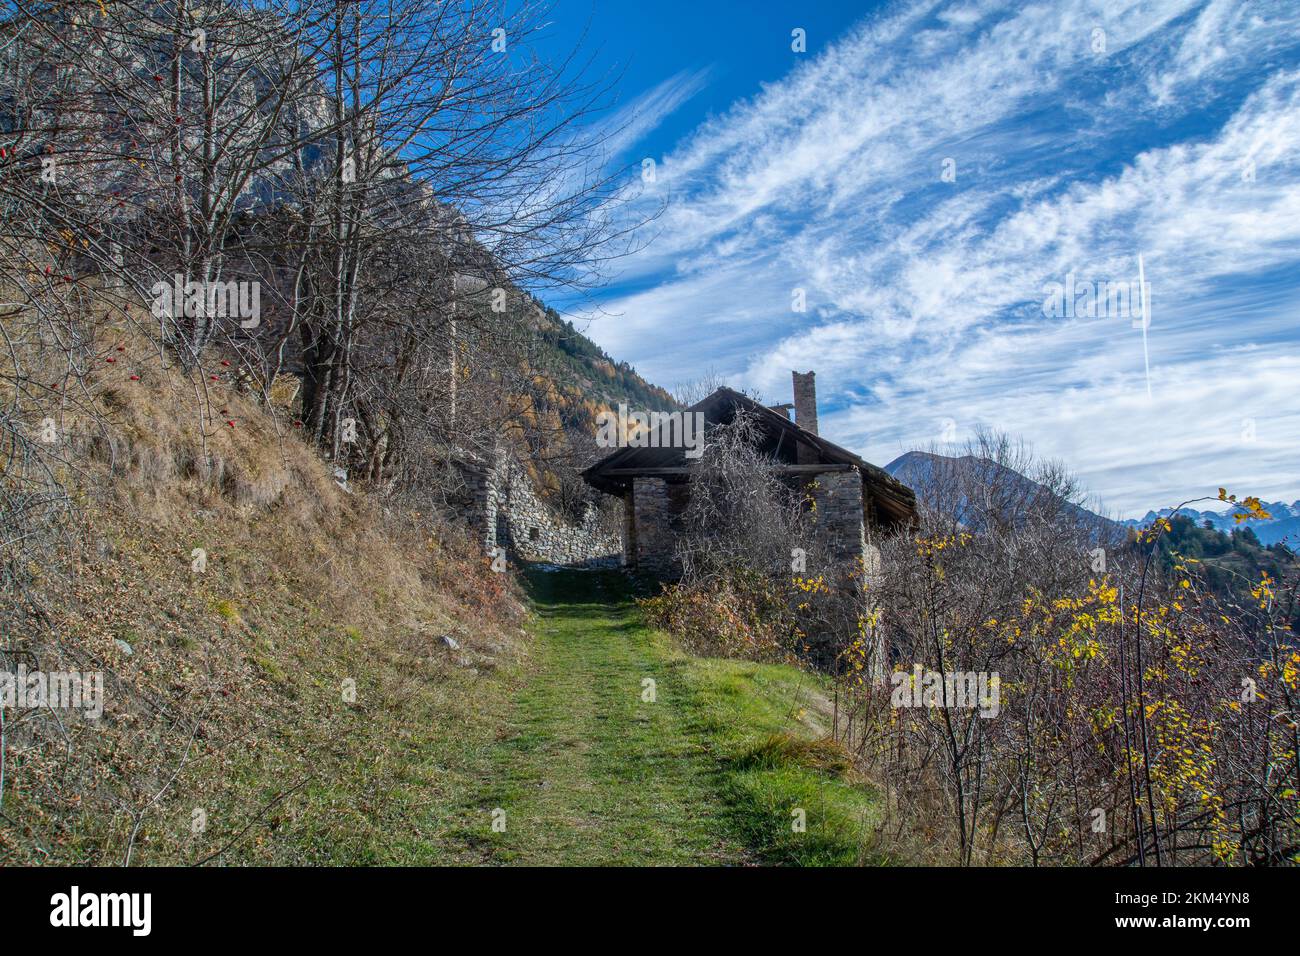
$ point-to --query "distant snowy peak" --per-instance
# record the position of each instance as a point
(1284, 523)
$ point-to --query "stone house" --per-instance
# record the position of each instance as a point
(855, 500)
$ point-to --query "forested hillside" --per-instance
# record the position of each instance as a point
(1232, 565)
(340, 212)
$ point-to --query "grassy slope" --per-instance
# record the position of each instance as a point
(254, 653)
(225, 687)
(709, 772)
(551, 728)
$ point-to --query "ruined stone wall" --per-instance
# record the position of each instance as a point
(507, 512)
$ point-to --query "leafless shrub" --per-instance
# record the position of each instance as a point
(1117, 732)
(741, 515)
(758, 578)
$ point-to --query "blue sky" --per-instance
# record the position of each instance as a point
(928, 173)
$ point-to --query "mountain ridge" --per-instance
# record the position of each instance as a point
(916, 467)
(919, 470)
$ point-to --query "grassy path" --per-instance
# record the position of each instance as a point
(600, 766)
(594, 773)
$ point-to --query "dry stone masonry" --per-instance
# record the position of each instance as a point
(841, 518)
(656, 509)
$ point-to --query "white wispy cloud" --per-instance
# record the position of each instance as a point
(634, 121)
(1178, 138)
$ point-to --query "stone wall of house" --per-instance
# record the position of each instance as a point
(845, 533)
(841, 520)
(506, 511)
(657, 505)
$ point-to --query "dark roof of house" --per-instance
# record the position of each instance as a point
(895, 502)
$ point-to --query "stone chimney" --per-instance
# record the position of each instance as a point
(805, 401)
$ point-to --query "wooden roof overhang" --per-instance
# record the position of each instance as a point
(895, 503)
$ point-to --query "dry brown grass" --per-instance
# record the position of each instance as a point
(234, 682)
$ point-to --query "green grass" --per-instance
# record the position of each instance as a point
(711, 771)
(587, 772)
(762, 723)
